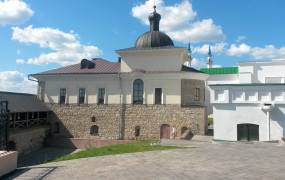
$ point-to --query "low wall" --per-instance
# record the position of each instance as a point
(81, 143)
(8, 162)
(28, 140)
(76, 121)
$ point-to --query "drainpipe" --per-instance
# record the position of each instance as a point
(268, 107)
(121, 118)
(268, 125)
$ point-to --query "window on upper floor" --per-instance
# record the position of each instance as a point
(238, 95)
(264, 96)
(197, 94)
(101, 96)
(219, 95)
(277, 95)
(62, 95)
(81, 96)
(138, 90)
(158, 96)
(251, 96)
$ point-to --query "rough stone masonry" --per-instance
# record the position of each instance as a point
(73, 121)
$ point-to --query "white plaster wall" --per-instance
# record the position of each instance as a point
(73, 83)
(169, 82)
(223, 79)
(153, 60)
(261, 70)
(218, 79)
(228, 116)
(262, 94)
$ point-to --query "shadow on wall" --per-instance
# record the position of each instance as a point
(278, 115)
(59, 135)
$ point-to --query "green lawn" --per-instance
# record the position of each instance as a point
(138, 146)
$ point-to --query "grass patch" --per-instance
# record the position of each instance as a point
(138, 146)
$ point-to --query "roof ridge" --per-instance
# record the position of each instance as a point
(16, 93)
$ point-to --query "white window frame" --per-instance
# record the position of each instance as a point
(162, 95)
(105, 95)
(85, 96)
(65, 101)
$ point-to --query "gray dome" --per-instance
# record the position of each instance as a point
(153, 39)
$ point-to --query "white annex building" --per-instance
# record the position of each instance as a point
(248, 101)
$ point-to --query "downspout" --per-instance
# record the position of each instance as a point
(121, 116)
(268, 126)
(268, 107)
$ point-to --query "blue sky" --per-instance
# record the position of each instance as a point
(37, 35)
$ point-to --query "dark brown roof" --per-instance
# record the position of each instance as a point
(20, 102)
(190, 69)
(101, 67)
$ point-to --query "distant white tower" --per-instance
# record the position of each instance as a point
(189, 55)
(210, 60)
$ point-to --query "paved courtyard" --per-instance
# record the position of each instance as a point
(198, 161)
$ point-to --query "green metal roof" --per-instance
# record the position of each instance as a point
(250, 84)
(222, 70)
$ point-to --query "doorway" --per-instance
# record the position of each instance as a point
(165, 131)
(248, 132)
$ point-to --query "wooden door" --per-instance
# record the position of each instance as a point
(165, 131)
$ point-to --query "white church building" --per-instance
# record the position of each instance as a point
(248, 101)
(147, 93)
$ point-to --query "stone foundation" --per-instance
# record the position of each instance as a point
(76, 121)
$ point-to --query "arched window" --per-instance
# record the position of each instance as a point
(137, 131)
(138, 88)
(94, 130)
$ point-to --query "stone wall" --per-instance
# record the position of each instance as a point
(28, 140)
(76, 121)
(188, 90)
(150, 119)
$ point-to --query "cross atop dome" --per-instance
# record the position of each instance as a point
(154, 19)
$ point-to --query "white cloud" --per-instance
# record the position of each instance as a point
(199, 63)
(240, 38)
(238, 50)
(199, 31)
(179, 21)
(15, 81)
(14, 12)
(65, 46)
(20, 61)
(266, 52)
(217, 48)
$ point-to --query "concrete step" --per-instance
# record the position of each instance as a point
(202, 138)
